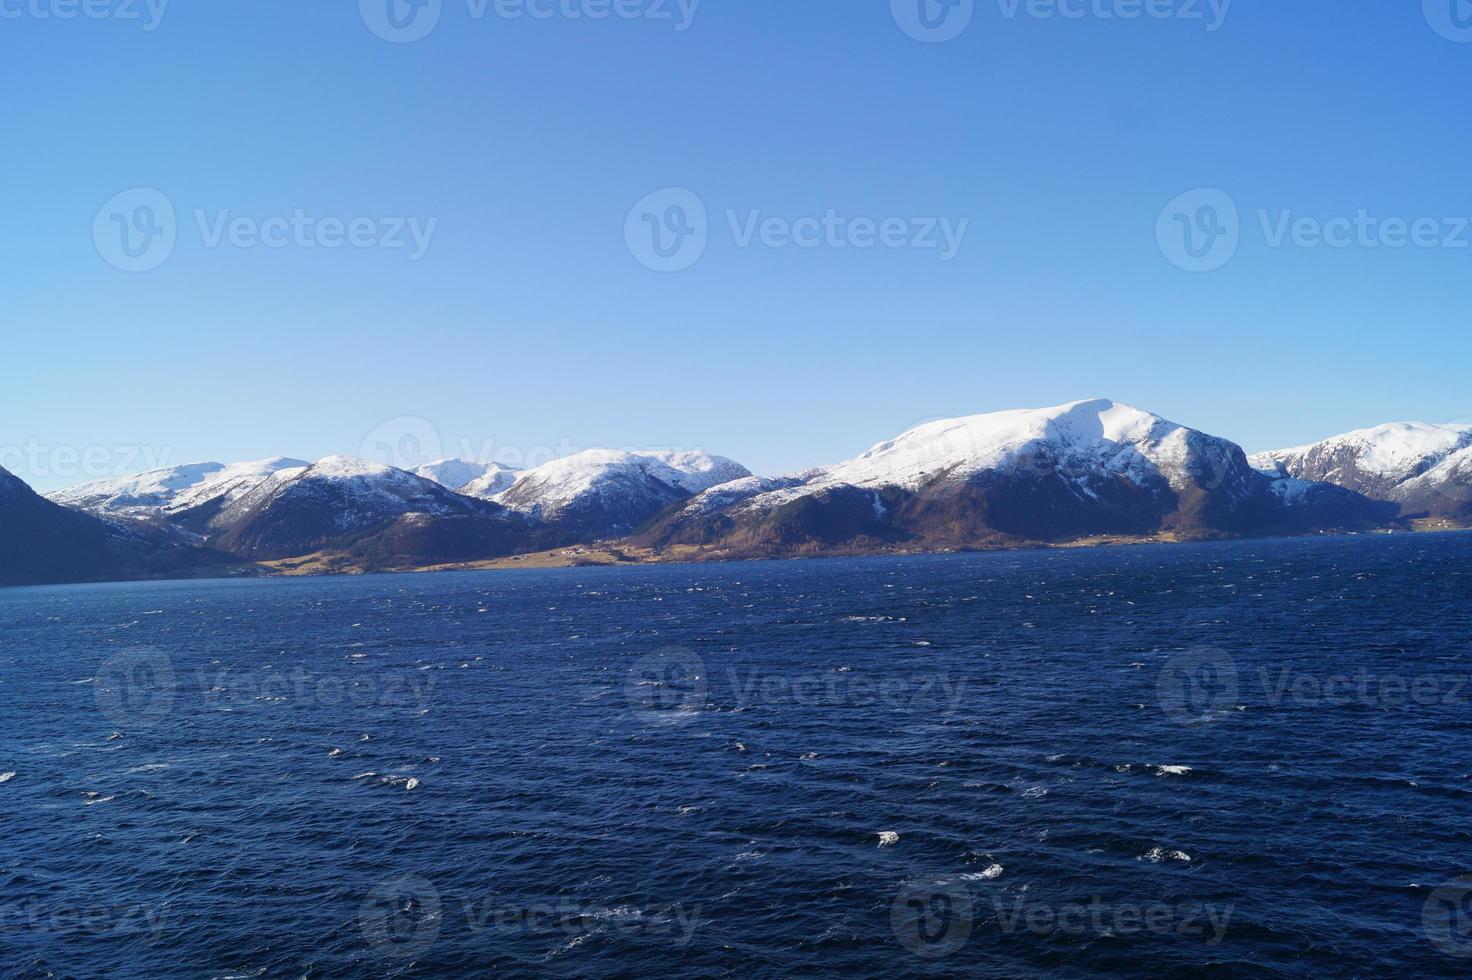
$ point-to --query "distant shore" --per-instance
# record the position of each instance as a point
(617, 554)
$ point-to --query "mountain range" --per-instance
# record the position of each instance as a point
(1092, 470)
(1424, 469)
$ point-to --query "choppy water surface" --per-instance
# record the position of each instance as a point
(1243, 759)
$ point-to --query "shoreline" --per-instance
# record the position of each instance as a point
(613, 555)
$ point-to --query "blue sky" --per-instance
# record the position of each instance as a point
(529, 323)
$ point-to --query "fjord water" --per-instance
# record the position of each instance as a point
(1229, 759)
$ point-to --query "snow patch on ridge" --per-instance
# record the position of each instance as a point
(551, 488)
(1081, 440)
(1397, 450)
(171, 489)
(455, 474)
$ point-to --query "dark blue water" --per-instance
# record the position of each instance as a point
(1242, 759)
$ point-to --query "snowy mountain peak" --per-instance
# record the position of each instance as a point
(301, 510)
(352, 468)
(1095, 431)
(171, 489)
(1087, 468)
(456, 474)
(1379, 462)
(495, 479)
(615, 490)
(563, 480)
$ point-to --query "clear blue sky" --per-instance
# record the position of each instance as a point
(528, 321)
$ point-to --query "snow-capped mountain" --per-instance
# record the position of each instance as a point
(1425, 468)
(170, 490)
(1087, 468)
(1445, 490)
(496, 479)
(458, 474)
(298, 511)
(604, 493)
